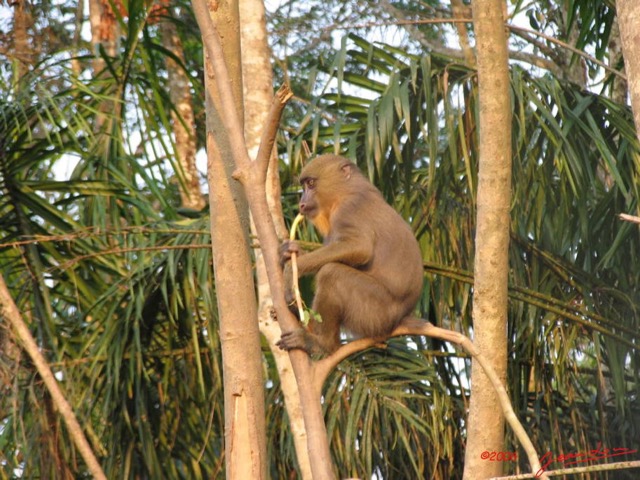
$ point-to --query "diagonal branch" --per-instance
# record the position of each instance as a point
(9, 310)
(268, 139)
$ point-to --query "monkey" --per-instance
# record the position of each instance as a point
(369, 271)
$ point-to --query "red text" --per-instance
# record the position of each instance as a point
(499, 456)
(568, 459)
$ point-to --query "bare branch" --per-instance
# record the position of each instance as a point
(629, 218)
(577, 51)
(9, 310)
(323, 367)
(270, 130)
(570, 471)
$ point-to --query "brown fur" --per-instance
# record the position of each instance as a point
(369, 270)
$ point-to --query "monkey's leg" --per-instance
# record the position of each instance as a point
(357, 301)
(349, 298)
(323, 334)
(318, 339)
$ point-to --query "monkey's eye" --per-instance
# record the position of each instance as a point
(311, 183)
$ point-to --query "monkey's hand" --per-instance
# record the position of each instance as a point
(298, 338)
(289, 296)
(286, 249)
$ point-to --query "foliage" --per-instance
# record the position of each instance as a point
(117, 288)
(574, 304)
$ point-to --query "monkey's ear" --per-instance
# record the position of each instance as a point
(347, 169)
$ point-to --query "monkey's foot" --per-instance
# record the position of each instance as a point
(295, 339)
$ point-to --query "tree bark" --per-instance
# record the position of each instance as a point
(253, 177)
(573, 68)
(104, 31)
(485, 422)
(245, 441)
(104, 38)
(459, 9)
(257, 77)
(629, 22)
(23, 51)
(619, 87)
(182, 119)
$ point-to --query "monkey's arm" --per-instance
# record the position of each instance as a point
(352, 250)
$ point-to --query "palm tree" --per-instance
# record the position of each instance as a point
(117, 285)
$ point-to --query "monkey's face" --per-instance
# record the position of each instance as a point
(325, 182)
(309, 205)
(314, 204)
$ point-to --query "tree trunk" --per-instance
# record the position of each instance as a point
(245, 444)
(104, 31)
(257, 77)
(573, 67)
(629, 23)
(619, 87)
(104, 38)
(253, 178)
(486, 422)
(23, 51)
(183, 119)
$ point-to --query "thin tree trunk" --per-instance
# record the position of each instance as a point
(629, 23)
(104, 31)
(486, 423)
(245, 444)
(182, 118)
(104, 40)
(619, 88)
(573, 67)
(23, 51)
(459, 10)
(257, 77)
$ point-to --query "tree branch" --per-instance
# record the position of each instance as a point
(565, 45)
(572, 471)
(268, 139)
(629, 218)
(323, 367)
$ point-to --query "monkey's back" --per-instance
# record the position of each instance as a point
(396, 260)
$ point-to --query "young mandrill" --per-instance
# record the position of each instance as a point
(368, 271)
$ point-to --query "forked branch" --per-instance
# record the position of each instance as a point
(326, 365)
(253, 181)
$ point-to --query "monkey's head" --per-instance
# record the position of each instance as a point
(326, 181)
